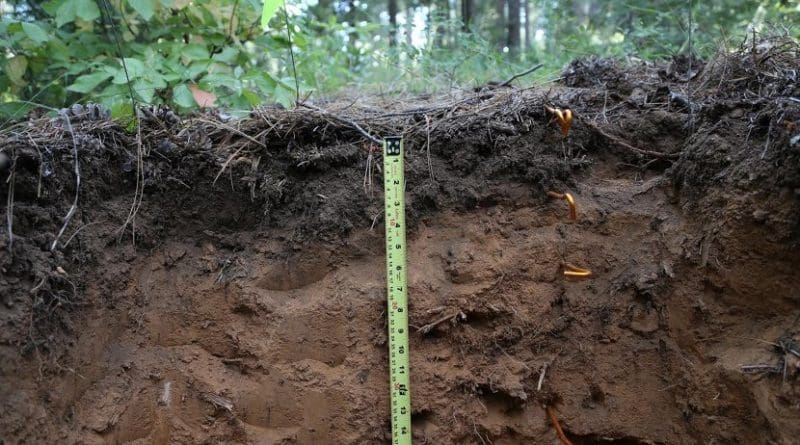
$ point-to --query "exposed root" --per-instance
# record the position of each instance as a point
(560, 432)
(621, 143)
(10, 211)
(138, 193)
(74, 206)
(345, 120)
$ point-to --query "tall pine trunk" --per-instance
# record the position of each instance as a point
(527, 24)
(441, 15)
(409, 22)
(392, 10)
(513, 26)
(500, 24)
(467, 11)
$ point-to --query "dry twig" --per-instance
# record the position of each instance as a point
(453, 316)
(342, 119)
(518, 75)
(217, 401)
(542, 372)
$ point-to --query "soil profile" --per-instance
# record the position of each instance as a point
(221, 281)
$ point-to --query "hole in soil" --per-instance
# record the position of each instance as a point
(421, 418)
(498, 400)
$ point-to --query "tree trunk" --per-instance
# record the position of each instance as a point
(527, 24)
(392, 9)
(467, 11)
(409, 22)
(513, 25)
(500, 25)
(441, 14)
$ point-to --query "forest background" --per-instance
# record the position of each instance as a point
(187, 53)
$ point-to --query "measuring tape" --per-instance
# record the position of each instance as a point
(395, 221)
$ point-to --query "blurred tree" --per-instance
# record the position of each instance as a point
(500, 23)
(467, 8)
(513, 40)
(391, 9)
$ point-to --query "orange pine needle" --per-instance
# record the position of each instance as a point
(573, 209)
(565, 121)
(575, 274)
(561, 436)
(572, 271)
(564, 118)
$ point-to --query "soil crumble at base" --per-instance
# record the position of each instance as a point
(250, 307)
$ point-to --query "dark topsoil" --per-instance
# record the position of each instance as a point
(221, 281)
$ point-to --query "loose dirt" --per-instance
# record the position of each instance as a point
(245, 302)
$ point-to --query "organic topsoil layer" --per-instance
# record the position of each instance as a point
(222, 281)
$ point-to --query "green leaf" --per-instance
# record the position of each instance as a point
(228, 55)
(57, 50)
(71, 9)
(156, 79)
(145, 8)
(135, 67)
(16, 67)
(52, 6)
(35, 33)
(284, 96)
(265, 83)
(252, 98)
(87, 9)
(223, 80)
(183, 97)
(88, 82)
(195, 51)
(269, 10)
(66, 13)
(145, 90)
(15, 109)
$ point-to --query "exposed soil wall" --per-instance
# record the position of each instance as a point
(223, 282)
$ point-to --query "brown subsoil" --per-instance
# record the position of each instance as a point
(245, 302)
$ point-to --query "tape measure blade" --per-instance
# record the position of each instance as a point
(396, 281)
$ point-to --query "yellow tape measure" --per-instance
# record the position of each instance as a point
(395, 221)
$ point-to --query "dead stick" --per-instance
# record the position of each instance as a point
(630, 147)
(346, 121)
(557, 426)
(761, 368)
(233, 130)
(428, 327)
(541, 377)
(524, 73)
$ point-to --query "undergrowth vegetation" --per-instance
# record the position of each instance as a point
(215, 53)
